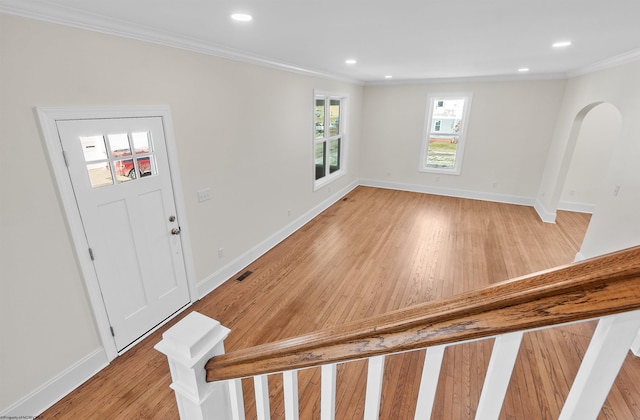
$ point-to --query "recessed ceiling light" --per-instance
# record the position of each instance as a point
(523, 69)
(241, 17)
(561, 44)
(388, 76)
(351, 61)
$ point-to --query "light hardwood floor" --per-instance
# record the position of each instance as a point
(374, 251)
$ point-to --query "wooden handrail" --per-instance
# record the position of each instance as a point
(593, 288)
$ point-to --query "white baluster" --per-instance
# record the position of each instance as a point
(290, 383)
(236, 399)
(600, 366)
(429, 382)
(328, 393)
(503, 358)
(261, 385)
(374, 388)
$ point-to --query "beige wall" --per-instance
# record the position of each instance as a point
(242, 130)
(508, 135)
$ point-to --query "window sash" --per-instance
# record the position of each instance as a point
(333, 130)
(446, 131)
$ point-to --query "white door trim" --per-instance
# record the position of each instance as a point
(48, 117)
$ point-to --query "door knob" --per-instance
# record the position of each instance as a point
(175, 231)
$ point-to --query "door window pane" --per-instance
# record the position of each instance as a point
(146, 166)
(99, 174)
(125, 170)
(119, 144)
(141, 142)
(93, 148)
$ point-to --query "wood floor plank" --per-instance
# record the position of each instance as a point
(374, 251)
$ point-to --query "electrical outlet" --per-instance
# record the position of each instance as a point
(220, 252)
(204, 195)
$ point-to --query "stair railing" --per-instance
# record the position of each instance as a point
(207, 382)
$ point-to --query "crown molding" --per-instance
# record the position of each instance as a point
(471, 79)
(97, 23)
(615, 61)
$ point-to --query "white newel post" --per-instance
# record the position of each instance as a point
(188, 346)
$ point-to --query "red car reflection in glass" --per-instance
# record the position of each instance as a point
(125, 167)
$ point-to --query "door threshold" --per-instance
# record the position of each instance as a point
(154, 329)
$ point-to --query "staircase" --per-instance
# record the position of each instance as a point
(207, 382)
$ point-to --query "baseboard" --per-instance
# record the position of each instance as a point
(56, 388)
(577, 207)
(545, 215)
(450, 192)
(225, 273)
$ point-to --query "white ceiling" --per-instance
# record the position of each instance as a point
(408, 39)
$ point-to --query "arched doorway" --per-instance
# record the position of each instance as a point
(582, 180)
(596, 137)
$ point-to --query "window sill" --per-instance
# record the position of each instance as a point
(328, 179)
(441, 171)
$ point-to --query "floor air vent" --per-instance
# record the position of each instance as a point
(244, 275)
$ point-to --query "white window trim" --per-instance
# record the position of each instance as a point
(344, 100)
(457, 168)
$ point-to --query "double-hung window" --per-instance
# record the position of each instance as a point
(445, 129)
(328, 137)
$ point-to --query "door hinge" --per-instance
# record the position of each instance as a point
(112, 332)
(91, 254)
(64, 156)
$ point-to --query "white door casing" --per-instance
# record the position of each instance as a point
(145, 230)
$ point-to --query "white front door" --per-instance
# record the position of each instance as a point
(121, 179)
